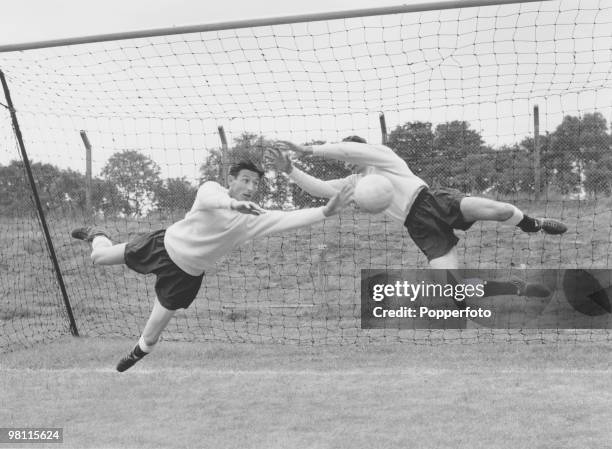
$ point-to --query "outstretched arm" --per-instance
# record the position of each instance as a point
(317, 187)
(356, 153)
(212, 196)
(279, 221)
(303, 149)
(314, 186)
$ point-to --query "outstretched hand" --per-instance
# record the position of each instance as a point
(247, 207)
(339, 201)
(278, 159)
(290, 146)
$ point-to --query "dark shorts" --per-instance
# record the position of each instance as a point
(146, 254)
(432, 219)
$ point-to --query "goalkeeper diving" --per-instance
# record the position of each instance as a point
(219, 220)
(429, 215)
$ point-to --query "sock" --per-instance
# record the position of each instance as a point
(495, 288)
(516, 217)
(100, 241)
(142, 348)
(528, 224)
(139, 352)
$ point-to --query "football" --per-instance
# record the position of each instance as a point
(373, 193)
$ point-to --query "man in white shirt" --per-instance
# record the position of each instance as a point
(219, 220)
(429, 215)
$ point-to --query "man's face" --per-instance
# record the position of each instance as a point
(244, 185)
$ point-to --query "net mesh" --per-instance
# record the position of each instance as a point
(457, 88)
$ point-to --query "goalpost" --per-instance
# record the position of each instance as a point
(451, 86)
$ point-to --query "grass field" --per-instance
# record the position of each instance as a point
(210, 395)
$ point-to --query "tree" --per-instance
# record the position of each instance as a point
(210, 170)
(597, 176)
(137, 179)
(453, 142)
(576, 146)
(450, 156)
(513, 170)
(595, 154)
(594, 141)
(57, 188)
(562, 156)
(14, 189)
(106, 198)
(476, 172)
(414, 143)
(176, 194)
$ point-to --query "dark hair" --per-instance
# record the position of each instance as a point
(354, 139)
(245, 165)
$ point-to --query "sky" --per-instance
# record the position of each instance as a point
(166, 96)
(55, 19)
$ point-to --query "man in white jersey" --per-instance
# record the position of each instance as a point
(219, 220)
(430, 215)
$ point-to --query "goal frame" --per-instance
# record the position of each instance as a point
(259, 22)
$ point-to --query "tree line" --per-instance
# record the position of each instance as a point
(575, 159)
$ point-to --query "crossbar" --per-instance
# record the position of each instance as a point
(251, 23)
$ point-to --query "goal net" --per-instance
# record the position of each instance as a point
(457, 88)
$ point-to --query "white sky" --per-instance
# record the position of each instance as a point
(323, 80)
(34, 20)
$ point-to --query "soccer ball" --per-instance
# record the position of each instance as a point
(373, 193)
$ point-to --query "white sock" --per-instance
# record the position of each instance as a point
(145, 347)
(516, 217)
(100, 241)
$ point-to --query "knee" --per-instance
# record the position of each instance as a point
(97, 257)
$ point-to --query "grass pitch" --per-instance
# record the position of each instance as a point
(188, 395)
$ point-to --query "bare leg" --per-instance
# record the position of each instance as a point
(158, 320)
(103, 252)
(449, 261)
(108, 255)
(475, 208)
